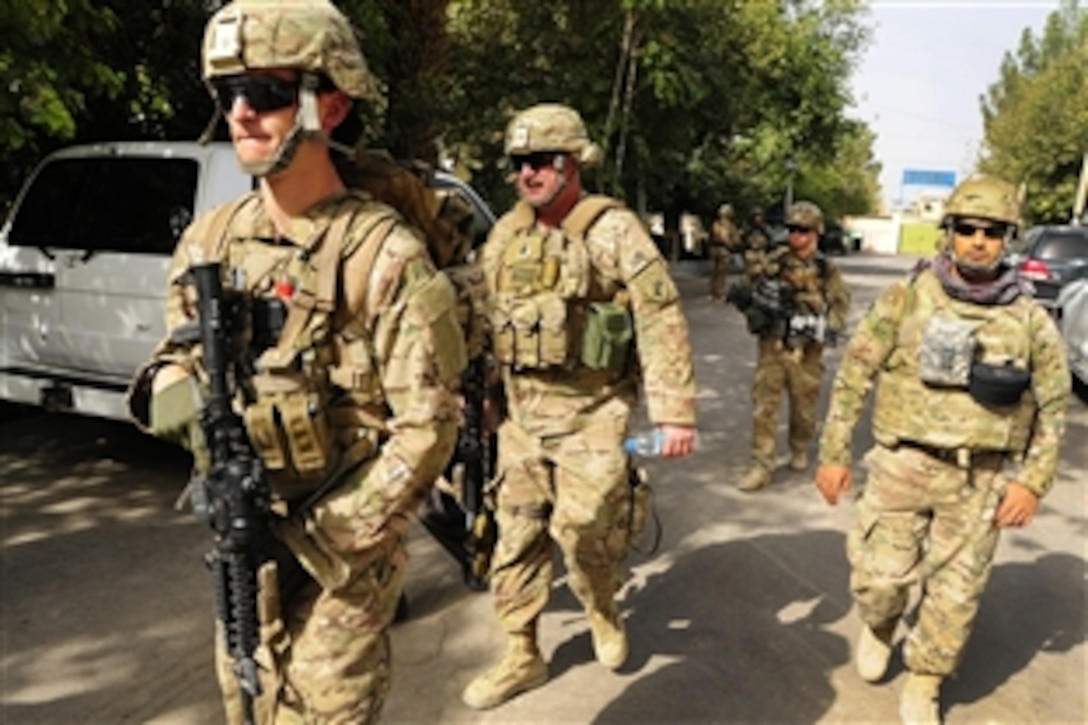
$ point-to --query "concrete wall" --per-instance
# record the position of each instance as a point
(895, 234)
(878, 234)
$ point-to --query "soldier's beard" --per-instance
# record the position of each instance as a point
(975, 272)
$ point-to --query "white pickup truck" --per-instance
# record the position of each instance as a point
(83, 262)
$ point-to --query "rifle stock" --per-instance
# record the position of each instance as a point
(233, 494)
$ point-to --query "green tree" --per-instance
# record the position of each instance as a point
(91, 70)
(696, 100)
(1036, 115)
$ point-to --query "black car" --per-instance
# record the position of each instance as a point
(1053, 257)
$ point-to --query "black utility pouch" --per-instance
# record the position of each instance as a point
(998, 386)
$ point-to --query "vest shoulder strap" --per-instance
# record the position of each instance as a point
(586, 213)
(335, 248)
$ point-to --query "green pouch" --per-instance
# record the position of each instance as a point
(607, 339)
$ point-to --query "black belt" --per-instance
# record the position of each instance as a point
(962, 457)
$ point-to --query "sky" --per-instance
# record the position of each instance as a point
(918, 83)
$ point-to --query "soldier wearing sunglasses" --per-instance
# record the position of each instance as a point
(349, 403)
(797, 304)
(584, 317)
(968, 416)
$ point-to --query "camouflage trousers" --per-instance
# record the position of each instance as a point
(799, 372)
(325, 653)
(921, 519)
(719, 269)
(570, 490)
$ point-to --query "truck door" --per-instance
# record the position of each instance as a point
(107, 225)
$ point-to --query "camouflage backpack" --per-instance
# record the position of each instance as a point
(443, 217)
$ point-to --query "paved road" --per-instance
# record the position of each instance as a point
(742, 614)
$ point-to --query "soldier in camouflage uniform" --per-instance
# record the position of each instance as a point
(724, 243)
(582, 310)
(799, 303)
(352, 409)
(756, 243)
(968, 416)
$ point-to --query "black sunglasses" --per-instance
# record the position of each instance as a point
(791, 228)
(537, 160)
(262, 93)
(965, 229)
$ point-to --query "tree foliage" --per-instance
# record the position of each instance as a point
(1036, 115)
(695, 101)
(716, 96)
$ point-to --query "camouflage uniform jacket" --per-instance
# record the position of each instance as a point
(876, 350)
(816, 284)
(724, 233)
(398, 367)
(756, 245)
(623, 261)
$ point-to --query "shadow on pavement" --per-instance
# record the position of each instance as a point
(98, 606)
(742, 628)
(1028, 608)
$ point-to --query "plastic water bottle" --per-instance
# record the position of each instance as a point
(647, 445)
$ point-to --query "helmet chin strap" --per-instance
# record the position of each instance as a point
(559, 164)
(307, 126)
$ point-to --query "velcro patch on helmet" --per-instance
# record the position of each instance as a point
(519, 136)
(225, 46)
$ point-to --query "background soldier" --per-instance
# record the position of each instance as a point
(350, 407)
(970, 376)
(724, 242)
(798, 303)
(580, 300)
(756, 243)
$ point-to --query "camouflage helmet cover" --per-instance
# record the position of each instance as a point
(806, 214)
(310, 35)
(725, 210)
(984, 197)
(551, 127)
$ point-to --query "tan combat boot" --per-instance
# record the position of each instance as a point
(918, 703)
(799, 461)
(755, 479)
(874, 649)
(520, 669)
(609, 638)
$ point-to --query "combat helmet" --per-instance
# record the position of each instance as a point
(312, 36)
(551, 127)
(725, 211)
(983, 197)
(805, 214)
(980, 197)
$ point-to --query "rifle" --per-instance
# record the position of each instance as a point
(476, 452)
(466, 528)
(233, 495)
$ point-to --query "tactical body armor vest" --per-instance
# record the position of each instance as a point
(940, 339)
(313, 403)
(549, 310)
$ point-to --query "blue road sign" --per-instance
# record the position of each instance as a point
(922, 177)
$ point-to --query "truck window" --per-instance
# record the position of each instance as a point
(138, 205)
